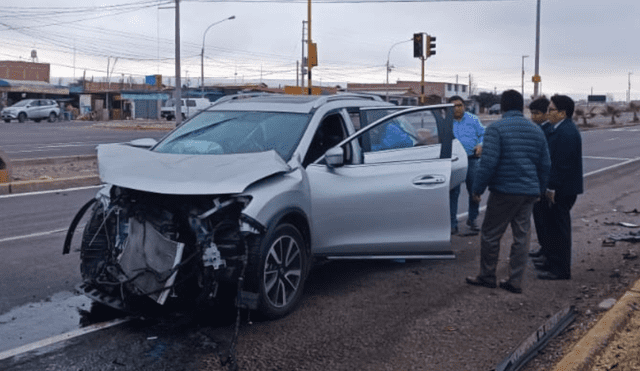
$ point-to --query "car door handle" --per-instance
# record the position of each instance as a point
(429, 179)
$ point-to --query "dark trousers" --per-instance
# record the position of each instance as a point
(558, 235)
(540, 218)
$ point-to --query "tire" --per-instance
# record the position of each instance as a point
(94, 247)
(53, 117)
(169, 117)
(36, 120)
(184, 117)
(7, 120)
(22, 117)
(277, 270)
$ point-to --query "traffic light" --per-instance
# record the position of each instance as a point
(418, 51)
(431, 45)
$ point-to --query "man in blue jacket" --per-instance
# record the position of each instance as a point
(565, 184)
(468, 129)
(515, 166)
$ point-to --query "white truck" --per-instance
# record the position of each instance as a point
(190, 106)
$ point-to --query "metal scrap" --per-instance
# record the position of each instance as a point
(629, 236)
(530, 347)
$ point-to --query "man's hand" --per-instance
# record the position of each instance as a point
(477, 150)
(551, 196)
(476, 198)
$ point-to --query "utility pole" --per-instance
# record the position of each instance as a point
(536, 77)
(629, 91)
(178, 91)
(523, 57)
(303, 61)
(309, 45)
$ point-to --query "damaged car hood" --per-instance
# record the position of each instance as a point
(145, 170)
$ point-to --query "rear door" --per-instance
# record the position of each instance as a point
(394, 200)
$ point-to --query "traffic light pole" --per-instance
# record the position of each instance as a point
(422, 97)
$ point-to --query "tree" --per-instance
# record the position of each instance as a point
(612, 111)
(585, 115)
(634, 107)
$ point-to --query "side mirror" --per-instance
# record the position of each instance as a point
(143, 143)
(334, 157)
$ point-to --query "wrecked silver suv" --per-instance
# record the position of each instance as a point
(249, 191)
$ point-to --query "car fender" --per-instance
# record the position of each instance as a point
(274, 197)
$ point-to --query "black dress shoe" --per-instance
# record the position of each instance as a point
(477, 281)
(552, 276)
(506, 285)
(535, 254)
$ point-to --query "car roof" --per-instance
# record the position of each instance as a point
(288, 103)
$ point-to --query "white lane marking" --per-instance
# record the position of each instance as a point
(62, 337)
(49, 191)
(606, 158)
(612, 167)
(32, 235)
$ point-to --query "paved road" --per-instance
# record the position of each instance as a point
(31, 234)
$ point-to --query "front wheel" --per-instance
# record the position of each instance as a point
(52, 117)
(22, 117)
(277, 270)
(7, 120)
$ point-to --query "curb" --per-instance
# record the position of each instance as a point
(585, 351)
(52, 160)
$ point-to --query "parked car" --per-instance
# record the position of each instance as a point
(190, 106)
(495, 109)
(33, 109)
(256, 187)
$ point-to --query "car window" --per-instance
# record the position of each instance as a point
(409, 130)
(230, 132)
(330, 132)
(191, 103)
(22, 103)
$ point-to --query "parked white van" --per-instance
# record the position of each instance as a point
(190, 106)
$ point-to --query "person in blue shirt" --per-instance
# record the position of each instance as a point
(468, 129)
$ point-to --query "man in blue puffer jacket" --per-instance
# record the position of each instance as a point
(515, 166)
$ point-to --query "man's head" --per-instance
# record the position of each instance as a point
(458, 106)
(511, 100)
(560, 108)
(538, 110)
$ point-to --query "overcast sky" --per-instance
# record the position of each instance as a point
(585, 44)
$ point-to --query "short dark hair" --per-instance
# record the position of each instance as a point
(564, 103)
(540, 104)
(511, 100)
(455, 97)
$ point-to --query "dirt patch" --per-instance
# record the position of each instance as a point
(66, 169)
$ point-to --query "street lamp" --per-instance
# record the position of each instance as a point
(202, 52)
(389, 67)
(523, 57)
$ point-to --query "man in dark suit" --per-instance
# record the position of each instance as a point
(538, 109)
(565, 184)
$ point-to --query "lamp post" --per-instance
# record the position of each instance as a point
(523, 57)
(389, 67)
(202, 52)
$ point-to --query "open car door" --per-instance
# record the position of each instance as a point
(383, 192)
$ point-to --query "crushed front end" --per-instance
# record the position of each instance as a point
(138, 245)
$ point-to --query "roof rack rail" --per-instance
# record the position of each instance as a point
(237, 96)
(343, 96)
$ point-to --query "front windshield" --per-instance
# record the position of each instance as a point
(232, 132)
(22, 103)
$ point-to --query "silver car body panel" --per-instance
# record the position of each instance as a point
(386, 207)
(145, 170)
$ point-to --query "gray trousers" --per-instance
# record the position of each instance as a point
(504, 210)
